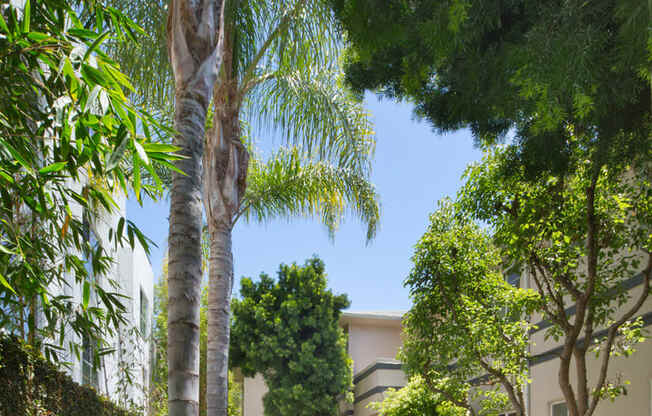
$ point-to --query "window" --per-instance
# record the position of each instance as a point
(558, 409)
(89, 373)
(92, 278)
(514, 279)
(144, 313)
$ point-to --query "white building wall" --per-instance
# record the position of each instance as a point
(132, 270)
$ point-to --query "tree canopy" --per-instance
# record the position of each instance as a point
(538, 69)
(462, 323)
(288, 331)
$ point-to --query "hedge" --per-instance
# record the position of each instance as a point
(31, 386)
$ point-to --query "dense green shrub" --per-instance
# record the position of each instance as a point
(33, 387)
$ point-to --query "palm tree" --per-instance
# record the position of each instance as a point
(288, 184)
(280, 71)
(280, 66)
(193, 32)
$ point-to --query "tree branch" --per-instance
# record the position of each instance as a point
(613, 331)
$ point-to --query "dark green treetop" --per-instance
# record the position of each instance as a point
(536, 68)
(288, 331)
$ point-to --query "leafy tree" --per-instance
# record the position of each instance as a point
(463, 314)
(578, 236)
(288, 330)
(415, 399)
(538, 69)
(70, 143)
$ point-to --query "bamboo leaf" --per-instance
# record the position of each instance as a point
(26, 16)
(6, 284)
(55, 167)
(96, 44)
(86, 295)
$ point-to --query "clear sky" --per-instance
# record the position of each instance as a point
(414, 167)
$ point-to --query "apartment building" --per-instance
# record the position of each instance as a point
(544, 397)
(374, 339)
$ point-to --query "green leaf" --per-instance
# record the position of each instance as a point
(3, 26)
(116, 155)
(39, 37)
(160, 147)
(121, 226)
(6, 284)
(3, 249)
(93, 75)
(92, 97)
(96, 44)
(141, 152)
(55, 167)
(118, 76)
(86, 296)
(6, 177)
(18, 156)
(26, 17)
(136, 180)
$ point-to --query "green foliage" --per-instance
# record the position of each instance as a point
(31, 386)
(530, 67)
(415, 399)
(70, 143)
(578, 237)
(288, 331)
(464, 311)
(583, 232)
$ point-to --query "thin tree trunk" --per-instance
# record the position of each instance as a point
(225, 161)
(219, 301)
(194, 36)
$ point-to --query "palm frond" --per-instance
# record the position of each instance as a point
(299, 32)
(291, 184)
(146, 61)
(313, 108)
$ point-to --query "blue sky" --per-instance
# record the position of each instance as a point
(414, 168)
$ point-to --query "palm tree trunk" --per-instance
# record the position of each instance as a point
(184, 264)
(226, 161)
(194, 31)
(219, 301)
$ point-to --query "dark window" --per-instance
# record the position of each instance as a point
(559, 409)
(89, 373)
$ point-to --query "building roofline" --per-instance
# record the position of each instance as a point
(383, 315)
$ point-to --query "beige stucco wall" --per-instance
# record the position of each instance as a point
(252, 396)
(378, 378)
(637, 369)
(369, 342)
